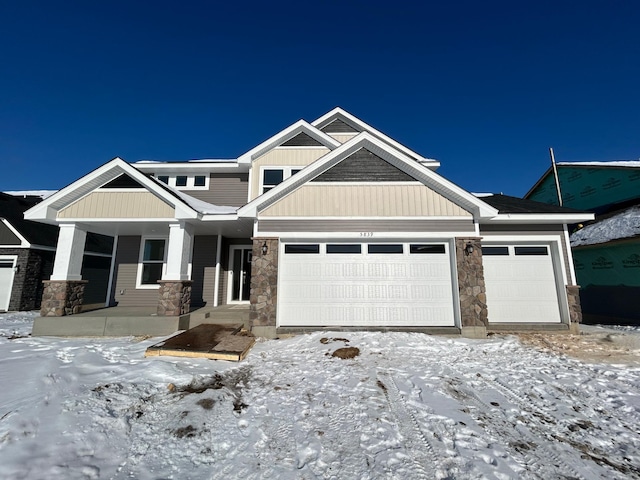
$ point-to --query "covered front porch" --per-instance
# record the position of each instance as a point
(137, 321)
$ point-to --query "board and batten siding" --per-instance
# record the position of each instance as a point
(125, 275)
(118, 205)
(283, 157)
(465, 225)
(488, 231)
(366, 200)
(228, 189)
(342, 137)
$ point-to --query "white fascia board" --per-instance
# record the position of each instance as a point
(228, 167)
(356, 237)
(48, 208)
(218, 218)
(539, 218)
(388, 153)
(23, 241)
(289, 132)
(355, 121)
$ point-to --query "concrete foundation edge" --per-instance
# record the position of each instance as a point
(265, 332)
(76, 326)
(473, 332)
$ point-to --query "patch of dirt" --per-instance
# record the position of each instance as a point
(232, 382)
(325, 340)
(347, 352)
(588, 347)
(188, 432)
(206, 403)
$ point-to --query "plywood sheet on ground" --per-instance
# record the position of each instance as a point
(215, 341)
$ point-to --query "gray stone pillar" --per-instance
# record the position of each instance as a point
(471, 287)
(575, 309)
(264, 287)
(62, 297)
(174, 297)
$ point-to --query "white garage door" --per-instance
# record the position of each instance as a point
(7, 265)
(365, 285)
(521, 284)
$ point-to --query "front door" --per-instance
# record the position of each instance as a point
(7, 269)
(239, 273)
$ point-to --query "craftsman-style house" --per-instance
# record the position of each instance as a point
(328, 224)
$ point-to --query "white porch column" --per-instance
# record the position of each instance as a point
(68, 260)
(179, 251)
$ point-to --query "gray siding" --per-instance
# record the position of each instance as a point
(203, 270)
(302, 140)
(364, 166)
(126, 270)
(444, 226)
(338, 126)
(7, 237)
(229, 189)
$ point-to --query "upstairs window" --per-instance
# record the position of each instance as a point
(185, 182)
(273, 176)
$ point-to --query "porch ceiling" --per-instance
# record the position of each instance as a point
(240, 228)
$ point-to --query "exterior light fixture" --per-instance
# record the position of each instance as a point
(468, 249)
(265, 249)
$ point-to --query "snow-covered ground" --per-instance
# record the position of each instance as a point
(408, 406)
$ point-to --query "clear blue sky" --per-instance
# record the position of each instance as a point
(484, 87)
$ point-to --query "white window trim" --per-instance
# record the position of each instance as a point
(191, 178)
(286, 173)
(139, 284)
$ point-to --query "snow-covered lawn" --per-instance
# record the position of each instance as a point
(408, 406)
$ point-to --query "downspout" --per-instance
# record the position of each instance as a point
(216, 285)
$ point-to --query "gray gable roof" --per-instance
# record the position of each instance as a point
(508, 204)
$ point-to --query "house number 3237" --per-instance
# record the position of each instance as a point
(366, 234)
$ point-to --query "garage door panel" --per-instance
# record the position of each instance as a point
(365, 289)
(521, 288)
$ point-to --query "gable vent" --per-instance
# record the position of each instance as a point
(338, 126)
(364, 166)
(302, 140)
(123, 181)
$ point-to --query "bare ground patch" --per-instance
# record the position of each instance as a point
(601, 347)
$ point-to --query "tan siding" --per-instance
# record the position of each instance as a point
(426, 226)
(224, 189)
(125, 274)
(284, 157)
(342, 137)
(367, 200)
(118, 205)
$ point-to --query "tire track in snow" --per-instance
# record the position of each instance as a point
(538, 458)
(417, 444)
(538, 410)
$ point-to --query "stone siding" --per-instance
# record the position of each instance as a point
(62, 297)
(174, 297)
(573, 298)
(264, 283)
(471, 286)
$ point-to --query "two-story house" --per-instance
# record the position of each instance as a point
(328, 224)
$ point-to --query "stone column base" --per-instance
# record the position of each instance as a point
(174, 297)
(62, 297)
(573, 299)
(473, 332)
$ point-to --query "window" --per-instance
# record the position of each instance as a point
(495, 251)
(181, 181)
(344, 248)
(199, 181)
(301, 248)
(531, 251)
(381, 248)
(151, 262)
(164, 179)
(427, 249)
(271, 178)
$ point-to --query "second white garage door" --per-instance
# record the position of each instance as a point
(521, 284)
(365, 285)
